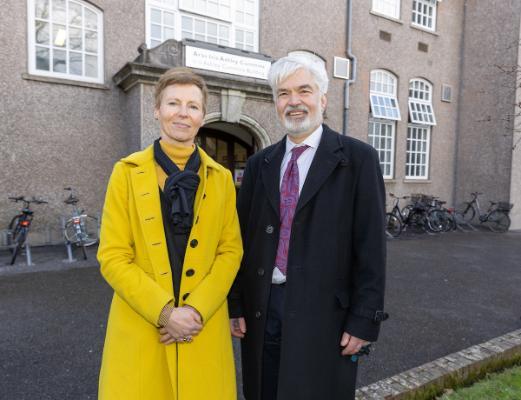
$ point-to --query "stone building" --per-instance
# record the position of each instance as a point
(418, 79)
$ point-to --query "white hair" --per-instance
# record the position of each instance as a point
(286, 66)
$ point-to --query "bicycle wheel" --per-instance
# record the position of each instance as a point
(19, 242)
(13, 225)
(393, 225)
(437, 221)
(72, 232)
(498, 221)
(90, 230)
(468, 214)
(417, 219)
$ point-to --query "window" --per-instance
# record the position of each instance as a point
(385, 113)
(420, 102)
(384, 103)
(417, 154)
(65, 40)
(381, 137)
(424, 14)
(231, 23)
(391, 8)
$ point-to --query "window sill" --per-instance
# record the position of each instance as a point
(387, 17)
(62, 81)
(390, 180)
(419, 28)
(417, 181)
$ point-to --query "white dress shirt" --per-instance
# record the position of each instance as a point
(303, 163)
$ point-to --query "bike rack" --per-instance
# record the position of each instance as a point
(70, 258)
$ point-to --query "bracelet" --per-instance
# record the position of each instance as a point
(165, 315)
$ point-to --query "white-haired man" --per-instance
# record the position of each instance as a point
(310, 291)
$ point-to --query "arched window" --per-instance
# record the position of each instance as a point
(65, 40)
(421, 117)
(384, 114)
(420, 102)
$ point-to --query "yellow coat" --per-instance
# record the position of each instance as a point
(134, 261)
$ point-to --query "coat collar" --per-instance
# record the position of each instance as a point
(329, 154)
(145, 156)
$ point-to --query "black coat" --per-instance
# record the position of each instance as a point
(336, 266)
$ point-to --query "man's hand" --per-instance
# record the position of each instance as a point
(238, 327)
(351, 345)
(184, 322)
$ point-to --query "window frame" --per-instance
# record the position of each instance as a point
(32, 45)
(421, 110)
(410, 153)
(380, 6)
(380, 100)
(180, 11)
(425, 3)
(381, 151)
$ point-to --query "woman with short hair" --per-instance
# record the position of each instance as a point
(170, 248)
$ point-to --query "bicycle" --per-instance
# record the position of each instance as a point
(80, 229)
(495, 218)
(395, 220)
(20, 225)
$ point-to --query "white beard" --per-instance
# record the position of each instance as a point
(299, 128)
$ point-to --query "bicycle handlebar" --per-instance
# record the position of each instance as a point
(33, 200)
(476, 194)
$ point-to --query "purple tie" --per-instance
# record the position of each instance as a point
(289, 194)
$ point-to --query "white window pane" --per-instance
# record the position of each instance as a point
(239, 35)
(249, 37)
(75, 14)
(239, 17)
(58, 11)
(91, 66)
(224, 42)
(155, 16)
(42, 32)
(91, 41)
(212, 9)
(199, 27)
(249, 48)
(168, 33)
(42, 58)
(186, 34)
(75, 63)
(224, 32)
(155, 31)
(224, 12)
(200, 5)
(211, 39)
(41, 9)
(212, 29)
(59, 61)
(59, 38)
(186, 23)
(91, 19)
(199, 37)
(248, 19)
(168, 18)
(75, 39)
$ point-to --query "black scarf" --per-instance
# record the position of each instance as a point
(180, 187)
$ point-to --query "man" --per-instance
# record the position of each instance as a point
(309, 293)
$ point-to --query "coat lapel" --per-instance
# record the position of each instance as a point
(324, 163)
(271, 174)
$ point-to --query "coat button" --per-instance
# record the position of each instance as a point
(194, 243)
(258, 314)
(269, 229)
(190, 272)
(260, 271)
(185, 296)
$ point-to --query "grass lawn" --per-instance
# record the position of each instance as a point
(505, 385)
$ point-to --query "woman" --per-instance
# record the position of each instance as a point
(170, 248)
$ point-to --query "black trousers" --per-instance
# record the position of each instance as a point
(272, 342)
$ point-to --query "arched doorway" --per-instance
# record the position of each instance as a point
(228, 144)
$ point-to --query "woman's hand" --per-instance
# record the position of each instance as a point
(184, 322)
